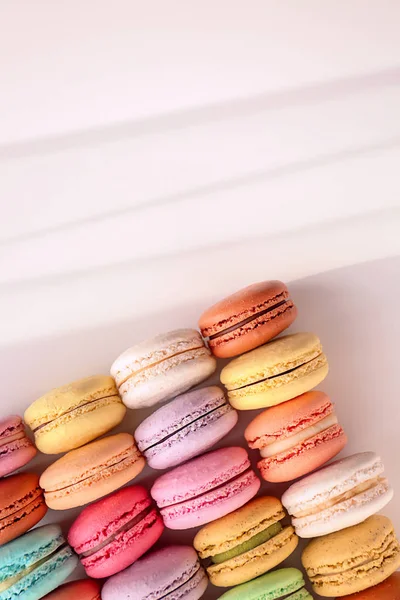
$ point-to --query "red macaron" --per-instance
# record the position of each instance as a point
(112, 533)
(247, 319)
(22, 505)
(83, 589)
(296, 437)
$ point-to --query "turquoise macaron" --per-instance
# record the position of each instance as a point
(283, 583)
(35, 564)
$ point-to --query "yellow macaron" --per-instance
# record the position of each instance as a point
(353, 559)
(275, 372)
(75, 414)
(246, 543)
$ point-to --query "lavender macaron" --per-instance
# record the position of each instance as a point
(171, 573)
(186, 427)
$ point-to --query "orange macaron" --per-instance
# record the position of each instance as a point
(296, 437)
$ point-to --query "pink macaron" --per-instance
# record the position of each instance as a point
(16, 449)
(205, 488)
(112, 533)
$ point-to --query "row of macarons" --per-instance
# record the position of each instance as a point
(238, 548)
(242, 536)
(159, 369)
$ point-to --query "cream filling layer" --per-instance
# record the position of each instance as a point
(291, 441)
(5, 585)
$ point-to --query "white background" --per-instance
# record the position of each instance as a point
(156, 156)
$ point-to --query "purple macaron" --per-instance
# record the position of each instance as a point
(171, 573)
(186, 427)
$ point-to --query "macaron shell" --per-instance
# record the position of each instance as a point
(254, 563)
(238, 527)
(16, 455)
(272, 586)
(353, 559)
(83, 589)
(21, 505)
(387, 590)
(75, 414)
(304, 457)
(289, 386)
(189, 425)
(158, 574)
(92, 471)
(125, 549)
(212, 505)
(170, 378)
(243, 305)
(350, 512)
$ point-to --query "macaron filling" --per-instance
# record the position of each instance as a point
(272, 305)
(77, 409)
(193, 575)
(286, 443)
(120, 530)
(256, 540)
(12, 437)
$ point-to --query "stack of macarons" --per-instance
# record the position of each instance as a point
(240, 539)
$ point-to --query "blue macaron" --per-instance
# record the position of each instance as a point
(35, 564)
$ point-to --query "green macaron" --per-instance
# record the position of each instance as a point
(283, 583)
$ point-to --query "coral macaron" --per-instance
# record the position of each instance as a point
(75, 414)
(172, 573)
(22, 505)
(246, 543)
(83, 589)
(296, 437)
(387, 590)
(189, 425)
(159, 369)
(16, 449)
(112, 533)
(205, 488)
(340, 495)
(91, 472)
(275, 372)
(247, 319)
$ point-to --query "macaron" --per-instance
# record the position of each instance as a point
(35, 564)
(276, 372)
(344, 493)
(82, 589)
(110, 534)
(185, 427)
(296, 437)
(205, 488)
(387, 590)
(246, 543)
(16, 449)
(353, 559)
(159, 369)
(283, 584)
(172, 573)
(91, 472)
(75, 414)
(22, 505)
(247, 319)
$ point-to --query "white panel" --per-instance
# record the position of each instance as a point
(67, 66)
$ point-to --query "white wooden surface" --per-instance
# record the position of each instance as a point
(155, 156)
